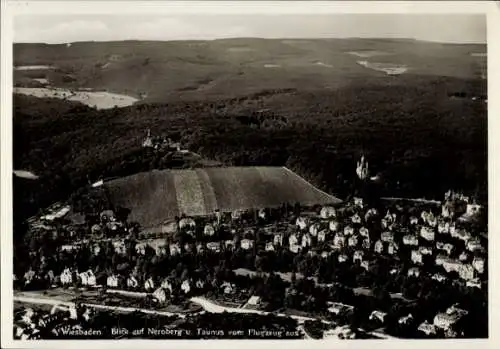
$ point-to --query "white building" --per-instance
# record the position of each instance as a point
(338, 241)
(186, 286)
(247, 244)
(427, 328)
(314, 229)
(322, 235)
(342, 258)
(392, 248)
(414, 272)
(358, 256)
(424, 250)
(269, 246)
(478, 264)
(365, 243)
(358, 202)
(306, 240)
(209, 230)
(160, 295)
(293, 240)
(356, 219)
(474, 283)
(112, 281)
(327, 212)
(410, 240)
(149, 284)
(379, 246)
(413, 220)
(474, 245)
(278, 239)
(449, 318)
(334, 226)
(416, 257)
(378, 315)
(387, 236)
(132, 282)
(352, 241)
(348, 230)
(441, 259)
(213, 246)
(186, 223)
(364, 232)
(302, 223)
(427, 233)
(439, 277)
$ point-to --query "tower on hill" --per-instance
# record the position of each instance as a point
(148, 141)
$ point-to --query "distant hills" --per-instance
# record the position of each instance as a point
(170, 71)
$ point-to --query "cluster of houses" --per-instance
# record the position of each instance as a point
(160, 143)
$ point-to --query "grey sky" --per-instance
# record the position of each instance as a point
(71, 28)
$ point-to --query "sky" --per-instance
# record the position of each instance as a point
(453, 28)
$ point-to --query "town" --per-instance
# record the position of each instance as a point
(368, 266)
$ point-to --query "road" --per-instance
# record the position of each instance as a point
(48, 301)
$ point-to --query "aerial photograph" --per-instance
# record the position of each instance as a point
(216, 176)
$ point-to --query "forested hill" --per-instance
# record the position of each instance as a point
(413, 131)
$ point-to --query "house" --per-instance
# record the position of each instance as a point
(451, 265)
(449, 318)
(293, 240)
(348, 230)
(325, 254)
(254, 300)
(187, 223)
(405, 320)
(448, 248)
(322, 235)
(474, 283)
(466, 272)
(387, 236)
(88, 278)
(416, 257)
(358, 256)
(269, 246)
(462, 234)
(213, 246)
(424, 250)
(392, 248)
(278, 239)
(414, 272)
(200, 248)
(112, 281)
(478, 264)
(364, 232)
(160, 295)
(352, 241)
(174, 249)
(358, 202)
(356, 219)
(186, 286)
(340, 308)
(119, 246)
(227, 287)
(377, 315)
(410, 240)
(471, 211)
(427, 328)
(379, 246)
(440, 259)
(443, 227)
(413, 220)
(149, 284)
(474, 245)
(306, 240)
(439, 277)
(365, 243)
(372, 212)
(166, 284)
(342, 258)
(314, 229)
(132, 282)
(247, 244)
(200, 284)
(262, 214)
(367, 265)
(334, 226)
(295, 248)
(338, 241)
(66, 277)
(327, 212)
(302, 223)
(427, 233)
(209, 230)
(464, 257)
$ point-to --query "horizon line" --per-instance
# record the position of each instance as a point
(260, 38)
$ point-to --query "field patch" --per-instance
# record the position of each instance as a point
(158, 196)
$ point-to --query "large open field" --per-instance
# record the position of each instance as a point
(157, 196)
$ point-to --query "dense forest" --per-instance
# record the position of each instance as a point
(419, 140)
